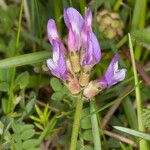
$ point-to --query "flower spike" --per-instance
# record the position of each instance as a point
(113, 75)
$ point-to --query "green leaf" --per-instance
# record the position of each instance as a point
(85, 122)
(142, 37)
(87, 135)
(86, 147)
(22, 80)
(26, 59)
(133, 132)
(57, 96)
(56, 84)
(4, 87)
(30, 106)
(34, 148)
(27, 134)
(1, 128)
(30, 143)
(26, 127)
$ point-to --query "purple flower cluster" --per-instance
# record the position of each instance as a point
(73, 64)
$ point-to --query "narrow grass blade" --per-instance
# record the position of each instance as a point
(130, 113)
(142, 143)
(110, 104)
(133, 132)
(95, 128)
(26, 59)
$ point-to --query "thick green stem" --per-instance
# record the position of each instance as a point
(95, 128)
(76, 124)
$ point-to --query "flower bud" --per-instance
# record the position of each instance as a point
(73, 86)
(110, 24)
(75, 61)
(91, 90)
(84, 79)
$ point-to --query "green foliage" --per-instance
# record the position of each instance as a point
(56, 84)
(133, 132)
(146, 117)
(142, 37)
(36, 107)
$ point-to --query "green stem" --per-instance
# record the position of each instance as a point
(142, 143)
(11, 94)
(95, 129)
(76, 124)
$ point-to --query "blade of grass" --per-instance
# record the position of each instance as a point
(82, 6)
(11, 94)
(38, 20)
(110, 104)
(26, 59)
(130, 113)
(133, 132)
(138, 21)
(142, 144)
(95, 128)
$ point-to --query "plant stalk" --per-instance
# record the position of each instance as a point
(95, 128)
(142, 143)
(76, 124)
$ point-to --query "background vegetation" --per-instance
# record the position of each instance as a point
(36, 109)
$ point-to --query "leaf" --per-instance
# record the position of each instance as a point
(133, 132)
(86, 147)
(27, 134)
(30, 106)
(85, 122)
(56, 84)
(4, 87)
(34, 148)
(87, 135)
(26, 59)
(30, 143)
(22, 80)
(26, 127)
(57, 96)
(1, 128)
(142, 37)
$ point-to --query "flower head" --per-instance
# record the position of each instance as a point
(73, 65)
(112, 76)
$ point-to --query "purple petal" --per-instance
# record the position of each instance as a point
(73, 41)
(74, 21)
(52, 31)
(86, 27)
(102, 82)
(113, 75)
(93, 51)
(53, 34)
(88, 18)
(57, 64)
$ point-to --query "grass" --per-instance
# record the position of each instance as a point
(25, 81)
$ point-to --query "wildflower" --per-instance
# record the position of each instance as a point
(73, 65)
(112, 76)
